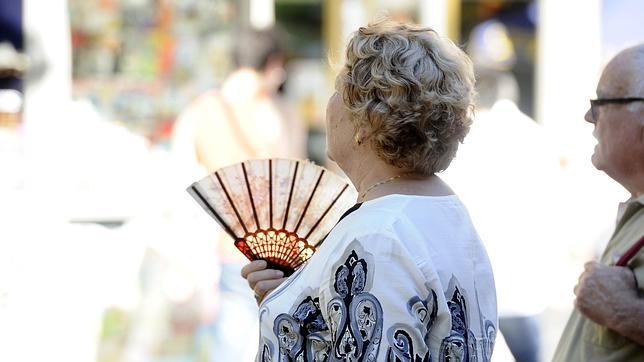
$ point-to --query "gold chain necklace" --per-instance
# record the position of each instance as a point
(364, 194)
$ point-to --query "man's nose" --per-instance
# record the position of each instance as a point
(589, 116)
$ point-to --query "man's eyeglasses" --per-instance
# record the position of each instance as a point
(595, 103)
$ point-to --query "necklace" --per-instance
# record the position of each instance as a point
(364, 194)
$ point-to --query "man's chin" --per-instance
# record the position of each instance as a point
(596, 161)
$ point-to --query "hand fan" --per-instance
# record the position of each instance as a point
(277, 210)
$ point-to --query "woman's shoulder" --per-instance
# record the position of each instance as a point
(402, 204)
(368, 229)
(396, 214)
(413, 227)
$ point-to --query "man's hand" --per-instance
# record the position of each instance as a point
(260, 279)
(601, 291)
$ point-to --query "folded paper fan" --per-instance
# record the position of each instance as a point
(277, 210)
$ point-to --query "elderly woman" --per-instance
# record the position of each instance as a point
(403, 276)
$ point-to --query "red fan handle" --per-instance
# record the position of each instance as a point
(288, 271)
(271, 264)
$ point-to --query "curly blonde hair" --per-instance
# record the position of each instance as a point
(414, 92)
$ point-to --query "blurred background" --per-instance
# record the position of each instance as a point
(104, 257)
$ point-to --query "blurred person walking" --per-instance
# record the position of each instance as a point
(244, 119)
(511, 206)
(608, 321)
(514, 228)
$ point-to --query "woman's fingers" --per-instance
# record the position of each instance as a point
(263, 287)
(260, 279)
(265, 274)
(253, 266)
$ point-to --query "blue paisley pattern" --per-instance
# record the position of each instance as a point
(490, 333)
(461, 344)
(266, 351)
(355, 316)
(301, 335)
(354, 325)
(405, 342)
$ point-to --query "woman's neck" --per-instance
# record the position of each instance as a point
(364, 171)
(431, 185)
(373, 178)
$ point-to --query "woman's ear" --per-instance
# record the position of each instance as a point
(360, 136)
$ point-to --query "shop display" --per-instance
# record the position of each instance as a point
(140, 61)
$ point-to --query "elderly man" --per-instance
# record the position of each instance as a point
(608, 322)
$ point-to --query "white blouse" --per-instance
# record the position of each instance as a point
(402, 278)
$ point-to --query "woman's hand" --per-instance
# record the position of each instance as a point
(260, 279)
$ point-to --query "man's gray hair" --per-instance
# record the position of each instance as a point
(636, 54)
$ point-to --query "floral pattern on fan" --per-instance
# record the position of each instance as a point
(277, 210)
